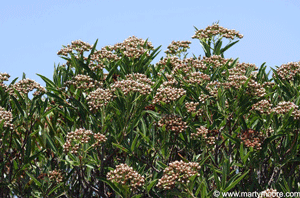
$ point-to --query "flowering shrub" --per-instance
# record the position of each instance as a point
(183, 127)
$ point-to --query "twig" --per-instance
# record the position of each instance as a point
(275, 171)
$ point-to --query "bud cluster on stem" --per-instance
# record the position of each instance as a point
(178, 172)
(125, 175)
(6, 117)
(214, 30)
(81, 136)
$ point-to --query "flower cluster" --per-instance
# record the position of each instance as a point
(263, 106)
(187, 65)
(212, 88)
(178, 171)
(132, 47)
(98, 58)
(268, 84)
(172, 61)
(55, 176)
(195, 63)
(81, 136)
(244, 66)
(269, 193)
(171, 83)
(150, 107)
(236, 80)
(255, 89)
(99, 98)
(25, 86)
(140, 84)
(178, 46)
(296, 114)
(202, 98)
(3, 77)
(142, 78)
(168, 94)
(240, 69)
(214, 30)
(99, 138)
(191, 107)
(6, 117)
(215, 61)
(269, 130)
(288, 71)
(284, 107)
(210, 136)
(252, 138)
(201, 131)
(85, 82)
(196, 78)
(173, 123)
(77, 45)
(125, 175)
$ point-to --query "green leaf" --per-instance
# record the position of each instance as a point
(18, 105)
(121, 147)
(28, 147)
(50, 141)
(217, 47)
(161, 164)
(34, 179)
(206, 47)
(180, 101)
(137, 196)
(55, 188)
(151, 184)
(217, 179)
(112, 185)
(134, 143)
(228, 46)
(235, 182)
(47, 81)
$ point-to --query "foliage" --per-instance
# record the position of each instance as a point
(178, 128)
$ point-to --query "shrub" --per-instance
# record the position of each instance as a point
(112, 124)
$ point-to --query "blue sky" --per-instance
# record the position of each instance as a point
(32, 31)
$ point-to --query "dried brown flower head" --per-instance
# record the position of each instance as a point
(252, 138)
